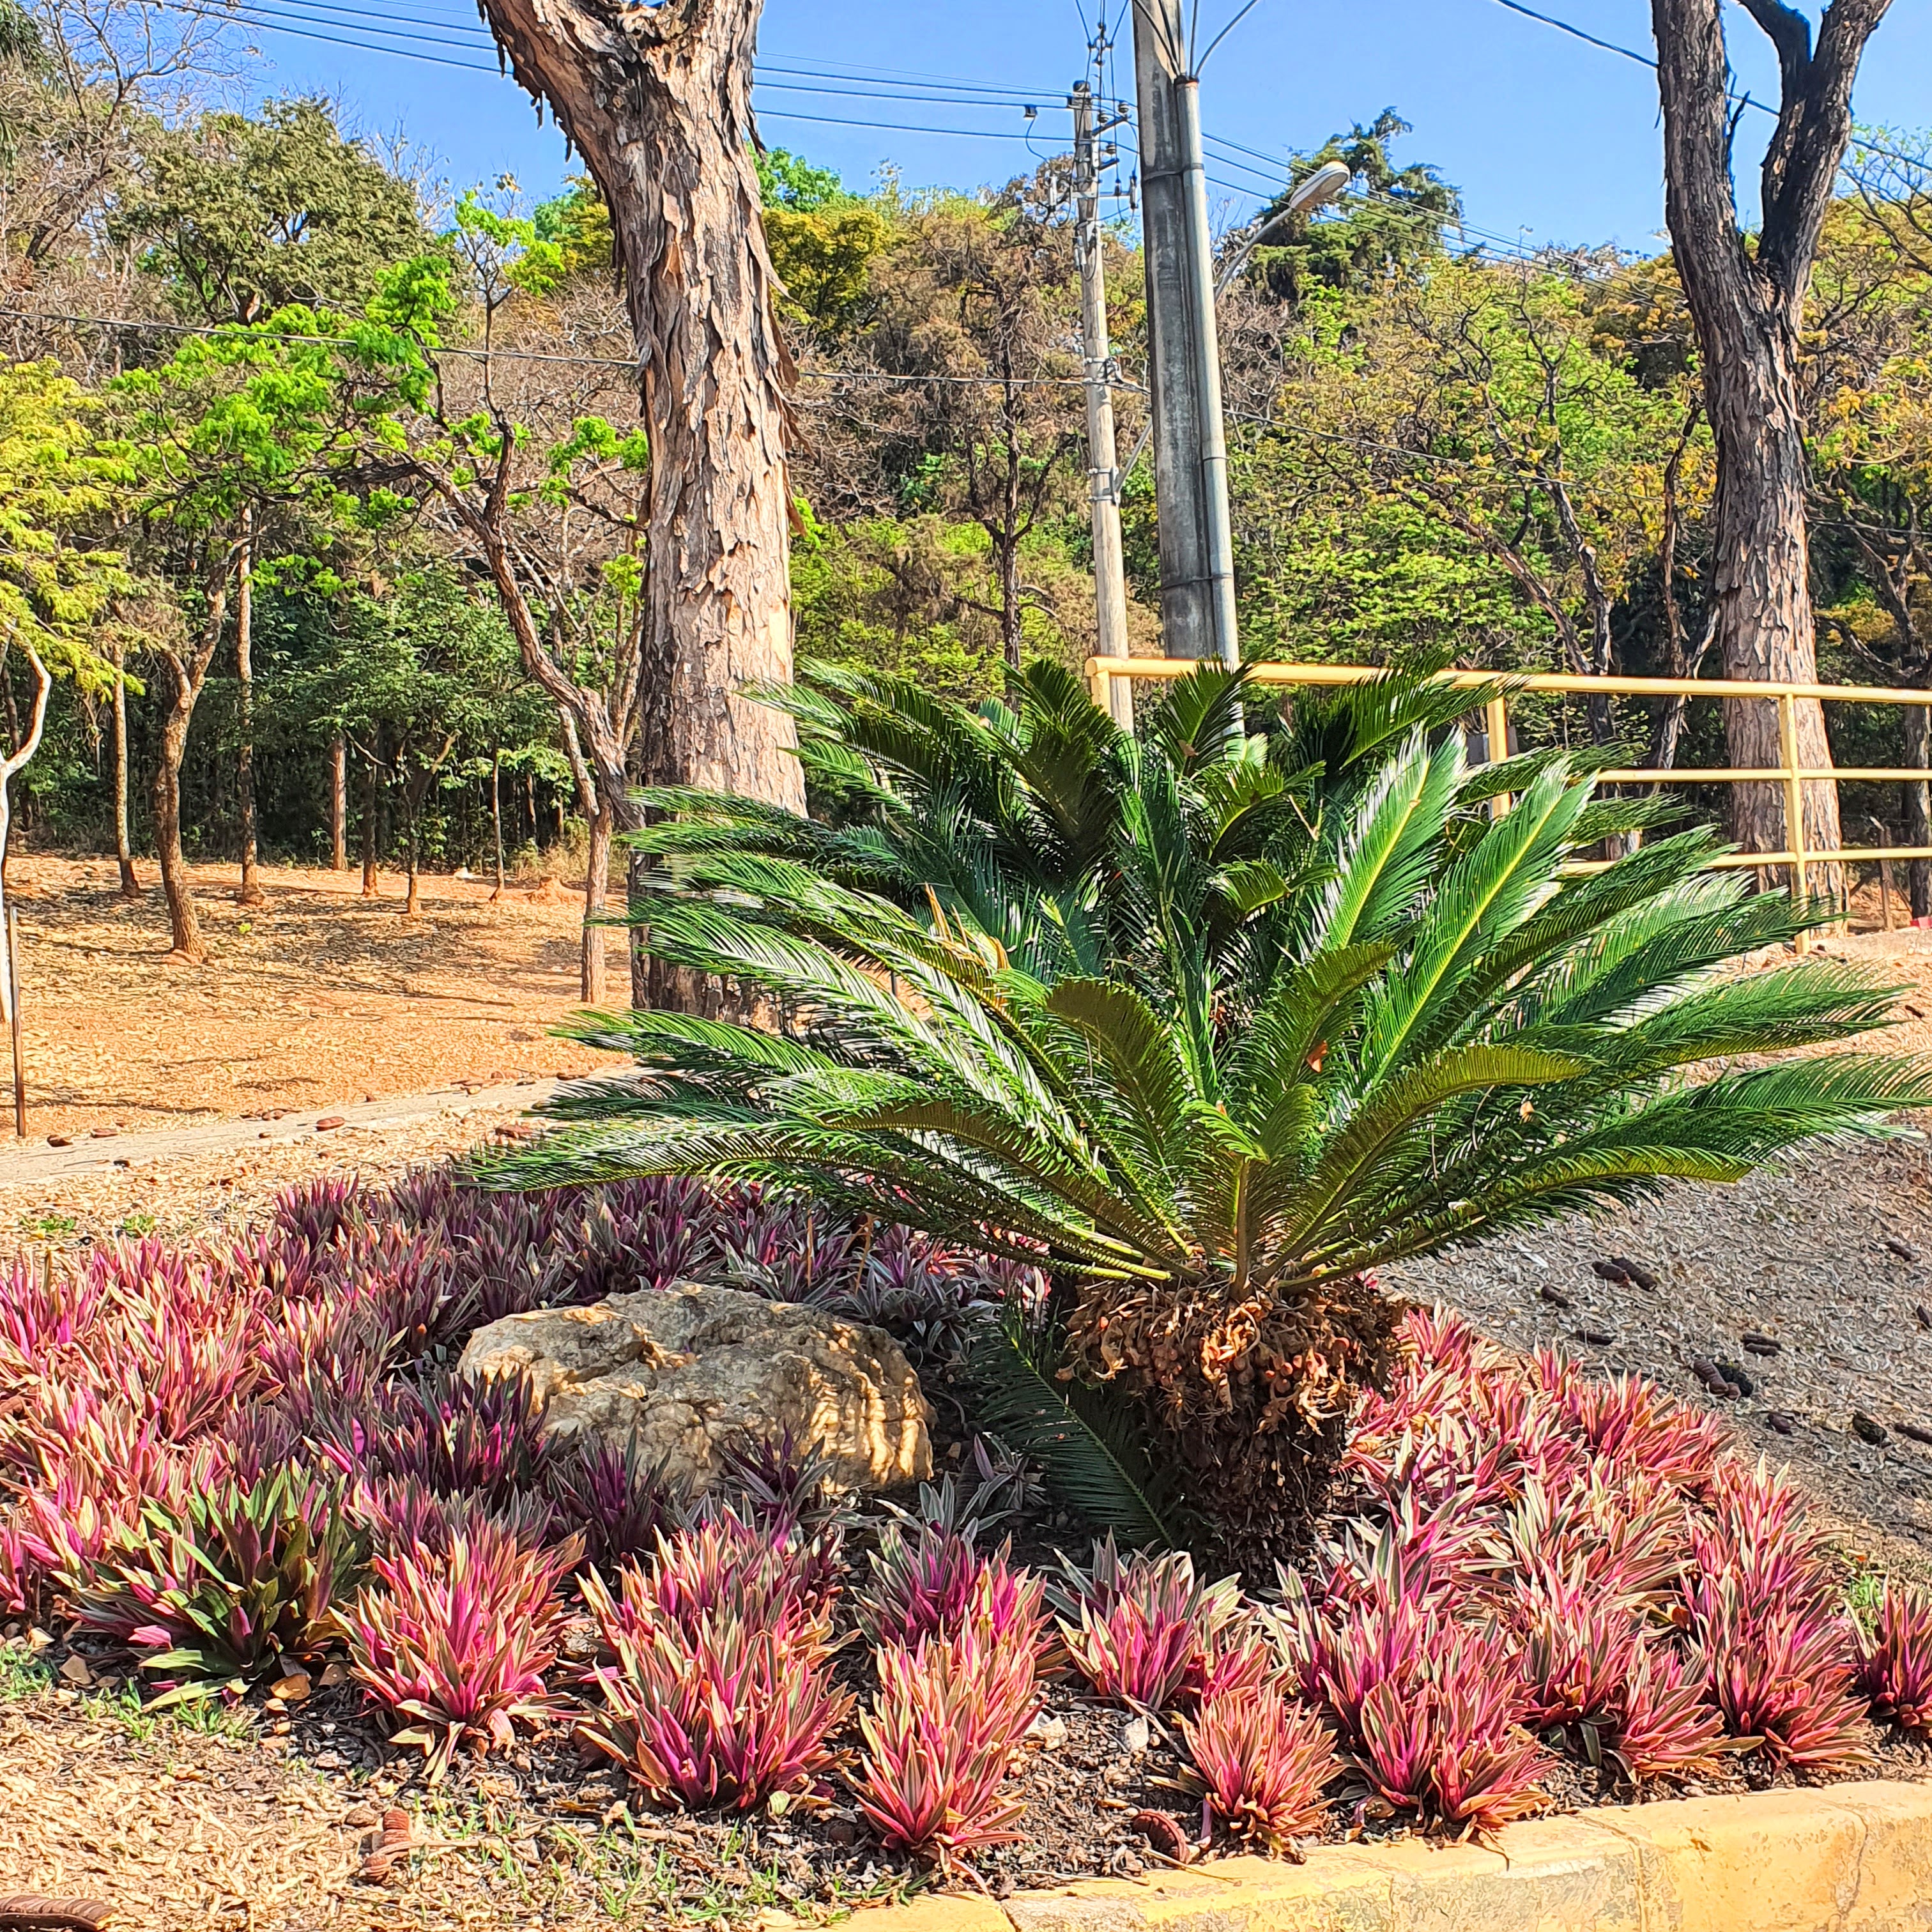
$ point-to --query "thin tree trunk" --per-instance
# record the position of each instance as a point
(597, 867)
(661, 113)
(245, 673)
(1918, 806)
(496, 814)
(338, 805)
(1012, 636)
(412, 803)
(371, 783)
(124, 847)
(188, 675)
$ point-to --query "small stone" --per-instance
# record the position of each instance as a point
(1758, 1344)
(841, 1832)
(1634, 1271)
(1913, 1432)
(327, 1122)
(103, 1133)
(59, 1140)
(1904, 1252)
(1048, 1732)
(1785, 1425)
(1737, 1377)
(1611, 1271)
(74, 1671)
(1555, 1297)
(1866, 1429)
(1134, 1736)
(38, 1640)
(1600, 1338)
(1923, 1314)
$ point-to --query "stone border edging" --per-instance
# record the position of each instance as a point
(1845, 1858)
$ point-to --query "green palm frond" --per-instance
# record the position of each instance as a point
(1085, 1437)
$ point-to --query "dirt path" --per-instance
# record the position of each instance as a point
(315, 998)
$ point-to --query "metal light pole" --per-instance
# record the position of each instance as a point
(1110, 579)
(1197, 549)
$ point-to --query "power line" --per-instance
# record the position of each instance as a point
(236, 332)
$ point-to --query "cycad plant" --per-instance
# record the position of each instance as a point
(1275, 1024)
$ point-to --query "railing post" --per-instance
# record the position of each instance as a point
(1794, 803)
(1495, 723)
(1099, 683)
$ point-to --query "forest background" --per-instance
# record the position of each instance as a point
(320, 481)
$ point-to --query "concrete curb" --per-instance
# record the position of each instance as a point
(1848, 1857)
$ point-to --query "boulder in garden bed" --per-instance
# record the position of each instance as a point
(691, 1367)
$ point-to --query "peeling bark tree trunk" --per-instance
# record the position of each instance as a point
(658, 101)
(1748, 304)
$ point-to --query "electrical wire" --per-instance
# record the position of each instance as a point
(234, 332)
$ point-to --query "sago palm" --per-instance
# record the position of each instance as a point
(1285, 1069)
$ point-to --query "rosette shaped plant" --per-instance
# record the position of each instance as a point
(1251, 1027)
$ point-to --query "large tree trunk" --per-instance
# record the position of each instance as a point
(124, 847)
(1748, 304)
(245, 673)
(658, 101)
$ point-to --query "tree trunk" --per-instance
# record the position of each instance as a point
(245, 673)
(597, 867)
(497, 814)
(412, 805)
(338, 805)
(658, 101)
(1918, 806)
(124, 847)
(596, 886)
(1011, 634)
(371, 782)
(188, 944)
(1747, 302)
(188, 675)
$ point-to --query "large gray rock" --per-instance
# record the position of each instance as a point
(691, 1367)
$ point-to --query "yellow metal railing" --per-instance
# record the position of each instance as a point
(1111, 679)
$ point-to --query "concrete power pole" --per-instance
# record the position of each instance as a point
(1103, 469)
(1197, 558)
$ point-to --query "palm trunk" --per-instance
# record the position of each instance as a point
(124, 846)
(661, 113)
(338, 805)
(245, 673)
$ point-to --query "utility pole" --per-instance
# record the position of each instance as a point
(1103, 471)
(1197, 557)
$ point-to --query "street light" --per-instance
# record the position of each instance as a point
(1324, 185)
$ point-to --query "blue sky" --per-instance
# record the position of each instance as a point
(1551, 140)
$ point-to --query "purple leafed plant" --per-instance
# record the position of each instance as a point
(1785, 1678)
(1441, 1738)
(1143, 1625)
(458, 1644)
(1667, 1727)
(945, 1722)
(620, 1501)
(1263, 1762)
(723, 1707)
(1895, 1662)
